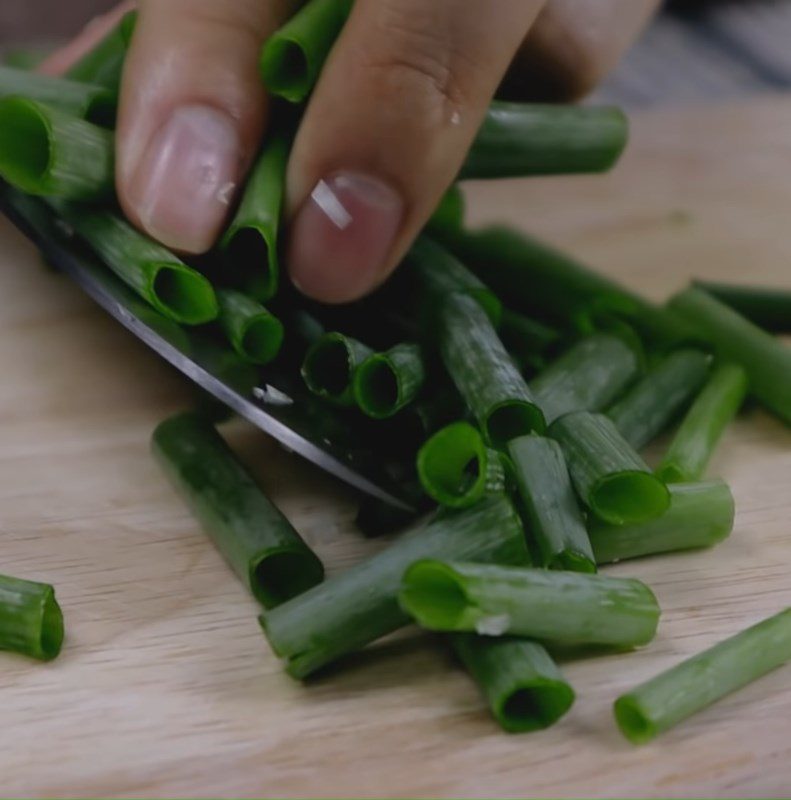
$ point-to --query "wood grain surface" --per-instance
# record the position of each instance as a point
(166, 686)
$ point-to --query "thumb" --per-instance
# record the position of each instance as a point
(191, 115)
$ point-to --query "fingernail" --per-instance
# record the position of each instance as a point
(184, 182)
(342, 235)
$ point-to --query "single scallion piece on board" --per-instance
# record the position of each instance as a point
(765, 359)
(767, 307)
(250, 244)
(654, 402)
(551, 606)
(254, 333)
(701, 429)
(387, 382)
(157, 275)
(589, 376)
(103, 65)
(457, 469)
(258, 542)
(556, 522)
(357, 606)
(678, 693)
(519, 139)
(329, 367)
(44, 151)
(700, 515)
(31, 621)
(484, 373)
(610, 477)
(94, 103)
(440, 274)
(522, 685)
(293, 56)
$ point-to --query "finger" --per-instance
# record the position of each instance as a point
(58, 62)
(399, 101)
(191, 115)
(573, 45)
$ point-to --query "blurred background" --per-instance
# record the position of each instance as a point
(695, 50)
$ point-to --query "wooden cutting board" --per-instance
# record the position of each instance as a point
(166, 686)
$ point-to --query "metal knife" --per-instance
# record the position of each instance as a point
(276, 404)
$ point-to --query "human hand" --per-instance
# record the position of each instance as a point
(384, 133)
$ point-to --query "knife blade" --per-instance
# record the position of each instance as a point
(277, 404)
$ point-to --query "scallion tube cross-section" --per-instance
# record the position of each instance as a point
(329, 367)
(255, 334)
(31, 621)
(387, 382)
(547, 605)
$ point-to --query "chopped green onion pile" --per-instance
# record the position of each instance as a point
(511, 388)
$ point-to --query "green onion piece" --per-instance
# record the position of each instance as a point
(694, 684)
(360, 605)
(94, 103)
(292, 58)
(375, 517)
(450, 211)
(562, 607)
(518, 139)
(764, 306)
(521, 683)
(31, 621)
(610, 477)
(524, 337)
(700, 515)
(457, 469)
(329, 367)
(765, 359)
(556, 522)
(249, 246)
(387, 382)
(159, 277)
(44, 151)
(542, 282)
(484, 373)
(701, 429)
(656, 400)
(257, 541)
(103, 65)
(440, 274)
(587, 377)
(255, 334)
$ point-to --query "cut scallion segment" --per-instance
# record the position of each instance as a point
(261, 546)
(556, 523)
(159, 277)
(650, 406)
(94, 103)
(764, 306)
(587, 377)
(484, 373)
(330, 364)
(700, 515)
(293, 56)
(103, 65)
(360, 605)
(44, 151)
(519, 139)
(696, 683)
(31, 621)
(610, 477)
(701, 429)
(562, 607)
(249, 246)
(387, 382)
(521, 683)
(457, 469)
(255, 334)
(441, 274)
(765, 359)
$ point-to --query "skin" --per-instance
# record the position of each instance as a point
(383, 135)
